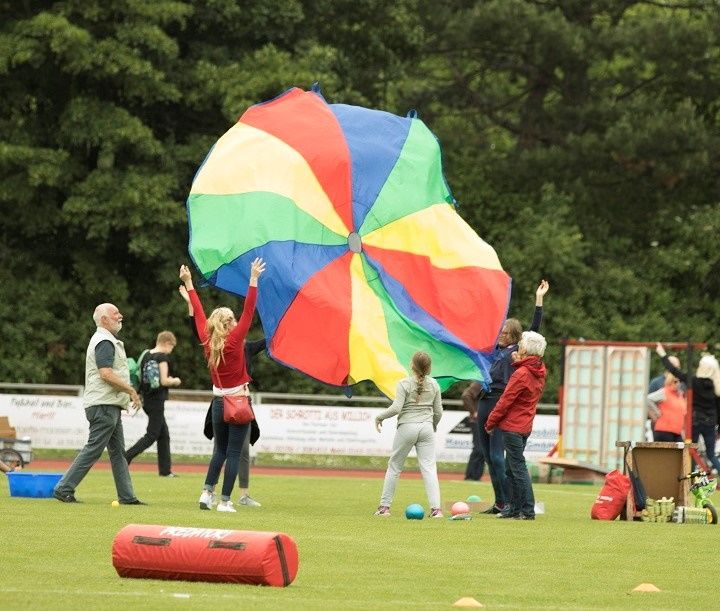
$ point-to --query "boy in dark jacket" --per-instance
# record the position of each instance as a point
(514, 414)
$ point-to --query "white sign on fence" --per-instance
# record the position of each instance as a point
(59, 422)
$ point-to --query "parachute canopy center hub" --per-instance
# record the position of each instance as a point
(354, 242)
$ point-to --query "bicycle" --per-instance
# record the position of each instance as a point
(702, 487)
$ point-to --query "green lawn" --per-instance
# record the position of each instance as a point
(57, 556)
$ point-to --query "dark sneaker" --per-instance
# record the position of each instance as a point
(522, 516)
(493, 510)
(65, 497)
(133, 502)
(507, 515)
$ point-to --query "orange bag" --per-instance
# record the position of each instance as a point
(612, 497)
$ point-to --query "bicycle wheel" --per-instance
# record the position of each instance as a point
(712, 512)
(11, 458)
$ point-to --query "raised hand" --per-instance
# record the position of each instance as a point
(660, 350)
(185, 276)
(184, 294)
(257, 267)
(542, 289)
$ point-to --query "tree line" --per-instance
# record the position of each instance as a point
(580, 138)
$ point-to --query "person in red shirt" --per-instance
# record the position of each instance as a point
(223, 340)
(514, 413)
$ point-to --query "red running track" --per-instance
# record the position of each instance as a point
(62, 465)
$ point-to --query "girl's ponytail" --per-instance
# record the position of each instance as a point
(421, 364)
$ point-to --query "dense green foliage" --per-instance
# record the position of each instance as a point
(580, 138)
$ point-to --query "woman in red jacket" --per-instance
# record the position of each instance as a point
(513, 414)
(223, 340)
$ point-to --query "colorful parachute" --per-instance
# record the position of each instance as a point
(367, 259)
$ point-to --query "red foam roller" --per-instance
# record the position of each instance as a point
(205, 554)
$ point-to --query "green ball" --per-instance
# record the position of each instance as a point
(473, 498)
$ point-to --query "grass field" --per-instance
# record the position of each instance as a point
(57, 556)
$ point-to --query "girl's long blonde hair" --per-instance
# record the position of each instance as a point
(219, 325)
(709, 368)
(421, 364)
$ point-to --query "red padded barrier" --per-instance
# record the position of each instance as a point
(205, 554)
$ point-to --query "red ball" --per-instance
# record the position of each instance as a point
(460, 507)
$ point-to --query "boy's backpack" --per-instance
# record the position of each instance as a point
(150, 378)
(135, 370)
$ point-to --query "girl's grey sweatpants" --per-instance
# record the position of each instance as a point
(421, 436)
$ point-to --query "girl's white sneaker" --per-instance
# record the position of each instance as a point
(226, 506)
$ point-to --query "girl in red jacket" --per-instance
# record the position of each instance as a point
(514, 413)
(223, 340)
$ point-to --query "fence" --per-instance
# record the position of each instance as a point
(258, 398)
(52, 417)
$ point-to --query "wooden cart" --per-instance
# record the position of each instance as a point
(658, 464)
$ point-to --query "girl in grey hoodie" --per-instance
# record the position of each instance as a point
(418, 406)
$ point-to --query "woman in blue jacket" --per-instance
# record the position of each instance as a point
(492, 444)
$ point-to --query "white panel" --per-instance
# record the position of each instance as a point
(582, 413)
(625, 411)
(604, 401)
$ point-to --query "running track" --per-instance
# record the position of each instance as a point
(62, 465)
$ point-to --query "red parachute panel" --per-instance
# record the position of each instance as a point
(303, 120)
(453, 296)
(310, 331)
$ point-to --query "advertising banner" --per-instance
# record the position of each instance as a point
(59, 422)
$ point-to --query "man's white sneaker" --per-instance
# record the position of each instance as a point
(248, 501)
(226, 506)
(207, 500)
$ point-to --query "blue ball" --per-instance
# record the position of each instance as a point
(414, 512)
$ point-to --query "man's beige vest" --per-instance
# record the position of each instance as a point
(97, 391)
